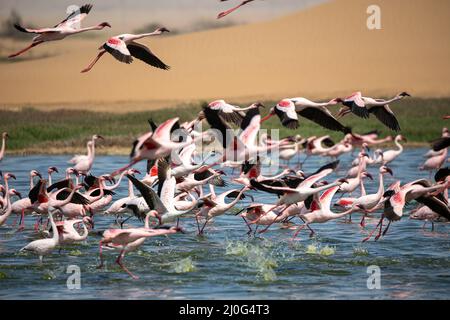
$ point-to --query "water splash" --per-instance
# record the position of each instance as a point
(360, 251)
(323, 251)
(183, 266)
(258, 257)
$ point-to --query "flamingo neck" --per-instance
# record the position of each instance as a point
(2, 150)
(54, 228)
(130, 189)
(114, 186)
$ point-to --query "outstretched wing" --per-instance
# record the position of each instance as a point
(143, 53)
(118, 49)
(386, 116)
(74, 18)
(322, 117)
(149, 195)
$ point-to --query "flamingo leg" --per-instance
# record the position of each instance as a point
(298, 231)
(100, 253)
(204, 225)
(248, 226)
(363, 223)
(371, 233)
(198, 224)
(379, 232)
(119, 262)
(387, 228)
(274, 220)
(89, 67)
(25, 49)
(22, 221)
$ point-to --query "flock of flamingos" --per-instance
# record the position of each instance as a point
(181, 178)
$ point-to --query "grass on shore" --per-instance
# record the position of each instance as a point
(66, 131)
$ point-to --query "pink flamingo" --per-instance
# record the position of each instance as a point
(5, 137)
(69, 26)
(8, 210)
(83, 163)
(123, 47)
(321, 212)
(125, 237)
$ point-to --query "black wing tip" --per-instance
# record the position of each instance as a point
(86, 8)
(20, 28)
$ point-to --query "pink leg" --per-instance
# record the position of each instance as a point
(248, 226)
(89, 67)
(363, 223)
(119, 262)
(38, 222)
(100, 249)
(379, 232)
(204, 225)
(273, 221)
(298, 231)
(370, 235)
(24, 50)
(22, 221)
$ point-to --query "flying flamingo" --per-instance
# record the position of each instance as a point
(125, 237)
(363, 106)
(227, 12)
(436, 162)
(156, 144)
(419, 190)
(123, 47)
(5, 137)
(69, 26)
(229, 112)
(321, 212)
(288, 112)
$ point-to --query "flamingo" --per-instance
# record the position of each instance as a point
(363, 106)
(390, 155)
(123, 47)
(8, 210)
(215, 207)
(227, 12)
(5, 137)
(69, 26)
(288, 112)
(369, 202)
(358, 140)
(117, 207)
(68, 234)
(321, 212)
(83, 163)
(24, 205)
(126, 237)
(419, 190)
(436, 162)
(156, 144)
(231, 113)
(44, 247)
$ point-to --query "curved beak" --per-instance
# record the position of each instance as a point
(38, 175)
(389, 170)
(17, 193)
(368, 175)
(54, 169)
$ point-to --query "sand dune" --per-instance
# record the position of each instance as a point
(323, 51)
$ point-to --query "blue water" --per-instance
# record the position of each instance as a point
(225, 263)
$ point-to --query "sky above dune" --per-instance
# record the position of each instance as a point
(129, 14)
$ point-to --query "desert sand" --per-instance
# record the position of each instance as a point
(321, 52)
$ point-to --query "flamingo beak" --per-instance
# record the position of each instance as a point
(368, 175)
(38, 175)
(12, 176)
(17, 193)
(270, 115)
(54, 169)
(389, 170)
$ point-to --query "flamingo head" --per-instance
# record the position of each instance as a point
(337, 100)
(258, 105)
(96, 137)
(162, 30)
(72, 171)
(401, 138)
(384, 169)
(50, 170)
(9, 175)
(34, 173)
(342, 180)
(88, 221)
(104, 25)
(14, 192)
(404, 94)
(366, 174)
(5, 135)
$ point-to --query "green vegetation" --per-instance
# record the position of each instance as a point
(65, 130)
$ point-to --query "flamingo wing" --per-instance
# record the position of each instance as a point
(319, 174)
(118, 49)
(143, 53)
(77, 198)
(285, 110)
(216, 122)
(327, 196)
(436, 204)
(149, 195)
(356, 103)
(441, 143)
(75, 17)
(270, 189)
(386, 116)
(38, 31)
(322, 117)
